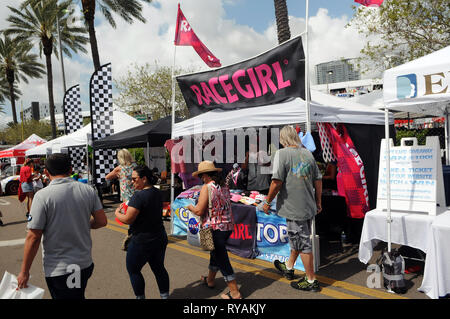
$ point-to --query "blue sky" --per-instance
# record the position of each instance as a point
(233, 30)
(260, 13)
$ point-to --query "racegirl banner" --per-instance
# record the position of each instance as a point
(268, 78)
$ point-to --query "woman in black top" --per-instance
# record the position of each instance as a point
(149, 239)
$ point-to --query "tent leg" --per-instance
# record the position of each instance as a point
(388, 178)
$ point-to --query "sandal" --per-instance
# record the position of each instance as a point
(204, 281)
(228, 296)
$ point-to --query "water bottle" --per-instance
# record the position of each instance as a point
(343, 240)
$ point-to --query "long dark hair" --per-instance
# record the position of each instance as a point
(143, 170)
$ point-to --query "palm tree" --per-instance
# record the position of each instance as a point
(16, 63)
(282, 18)
(128, 10)
(38, 23)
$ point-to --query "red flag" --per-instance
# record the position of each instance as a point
(184, 35)
(370, 3)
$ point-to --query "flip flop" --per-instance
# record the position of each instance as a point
(204, 281)
(229, 296)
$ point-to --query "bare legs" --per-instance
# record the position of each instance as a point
(307, 260)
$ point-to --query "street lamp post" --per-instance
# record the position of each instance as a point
(328, 80)
(60, 54)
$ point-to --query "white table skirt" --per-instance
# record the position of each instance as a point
(410, 229)
(436, 277)
(431, 234)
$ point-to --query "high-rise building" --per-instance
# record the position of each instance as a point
(39, 111)
(336, 71)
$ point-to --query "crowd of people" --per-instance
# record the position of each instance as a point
(65, 231)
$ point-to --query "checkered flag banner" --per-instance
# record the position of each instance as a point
(102, 120)
(73, 120)
(72, 109)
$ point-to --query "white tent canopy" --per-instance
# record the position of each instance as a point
(324, 108)
(421, 85)
(122, 122)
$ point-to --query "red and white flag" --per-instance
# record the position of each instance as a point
(370, 3)
(184, 35)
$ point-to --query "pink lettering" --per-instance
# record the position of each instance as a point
(281, 83)
(200, 97)
(227, 88)
(265, 79)
(208, 93)
(246, 93)
(212, 82)
(251, 74)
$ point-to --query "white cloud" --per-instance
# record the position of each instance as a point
(146, 43)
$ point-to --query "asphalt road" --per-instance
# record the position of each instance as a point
(341, 275)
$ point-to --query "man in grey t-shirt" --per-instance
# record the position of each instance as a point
(63, 213)
(298, 182)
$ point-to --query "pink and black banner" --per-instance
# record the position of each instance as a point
(271, 77)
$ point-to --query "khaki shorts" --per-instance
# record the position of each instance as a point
(299, 233)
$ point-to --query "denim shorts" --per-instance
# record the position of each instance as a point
(27, 187)
(299, 233)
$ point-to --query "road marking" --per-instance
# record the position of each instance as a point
(182, 245)
(4, 202)
(15, 242)
(329, 281)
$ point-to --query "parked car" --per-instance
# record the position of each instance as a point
(9, 185)
(9, 180)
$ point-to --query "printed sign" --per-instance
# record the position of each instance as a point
(416, 179)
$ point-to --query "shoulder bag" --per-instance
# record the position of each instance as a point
(206, 236)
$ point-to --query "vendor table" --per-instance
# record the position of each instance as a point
(436, 277)
(422, 231)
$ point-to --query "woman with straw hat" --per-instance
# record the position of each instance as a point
(214, 207)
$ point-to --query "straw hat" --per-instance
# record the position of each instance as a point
(206, 167)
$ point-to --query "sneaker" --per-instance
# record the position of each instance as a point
(281, 267)
(304, 284)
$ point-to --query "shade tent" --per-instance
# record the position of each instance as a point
(365, 124)
(421, 86)
(154, 133)
(375, 99)
(324, 108)
(19, 150)
(122, 122)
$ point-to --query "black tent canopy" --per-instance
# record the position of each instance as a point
(154, 133)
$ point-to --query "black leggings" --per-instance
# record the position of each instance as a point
(142, 250)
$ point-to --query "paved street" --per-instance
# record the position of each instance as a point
(341, 275)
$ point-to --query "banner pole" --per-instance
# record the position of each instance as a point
(172, 175)
(308, 130)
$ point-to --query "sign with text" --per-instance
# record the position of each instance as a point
(269, 78)
(416, 179)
